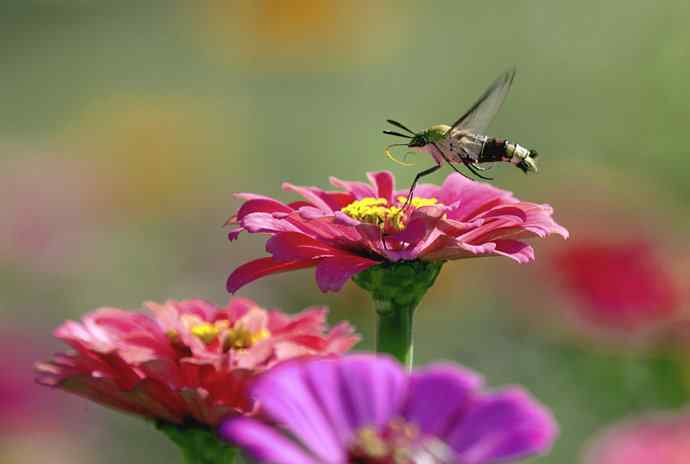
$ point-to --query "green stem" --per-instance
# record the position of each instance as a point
(199, 444)
(394, 331)
(397, 289)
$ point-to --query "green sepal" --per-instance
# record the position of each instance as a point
(199, 444)
(397, 289)
(401, 284)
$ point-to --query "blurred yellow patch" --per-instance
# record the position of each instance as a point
(153, 153)
(275, 33)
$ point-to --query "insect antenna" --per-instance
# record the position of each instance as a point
(387, 132)
(388, 153)
(399, 126)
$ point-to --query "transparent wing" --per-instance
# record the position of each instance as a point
(479, 116)
(462, 145)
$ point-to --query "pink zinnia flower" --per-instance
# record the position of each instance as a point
(366, 409)
(621, 285)
(655, 439)
(342, 233)
(189, 360)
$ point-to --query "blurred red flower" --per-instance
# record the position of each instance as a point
(654, 439)
(190, 360)
(621, 285)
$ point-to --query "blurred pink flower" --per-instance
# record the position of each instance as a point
(620, 285)
(25, 407)
(48, 212)
(654, 439)
(345, 232)
(190, 360)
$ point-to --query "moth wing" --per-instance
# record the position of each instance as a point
(452, 148)
(480, 115)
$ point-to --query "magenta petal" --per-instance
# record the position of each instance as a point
(262, 205)
(358, 189)
(324, 382)
(332, 273)
(290, 246)
(415, 231)
(385, 184)
(421, 191)
(439, 396)
(286, 396)
(514, 249)
(471, 195)
(261, 267)
(373, 388)
(253, 437)
(506, 425)
(309, 194)
(234, 233)
(420, 224)
(266, 223)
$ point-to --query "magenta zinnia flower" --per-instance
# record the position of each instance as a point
(342, 233)
(365, 409)
(188, 361)
(654, 439)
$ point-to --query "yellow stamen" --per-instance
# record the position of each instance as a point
(418, 202)
(370, 444)
(377, 211)
(206, 332)
(240, 338)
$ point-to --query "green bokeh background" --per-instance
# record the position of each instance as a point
(152, 116)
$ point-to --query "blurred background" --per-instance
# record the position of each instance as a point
(124, 130)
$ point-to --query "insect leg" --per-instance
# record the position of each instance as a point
(419, 175)
(474, 170)
(451, 164)
(481, 168)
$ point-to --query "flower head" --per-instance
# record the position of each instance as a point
(366, 409)
(623, 285)
(655, 439)
(189, 360)
(342, 233)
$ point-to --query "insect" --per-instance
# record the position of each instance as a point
(464, 141)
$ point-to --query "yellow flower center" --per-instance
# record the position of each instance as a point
(395, 443)
(237, 337)
(206, 332)
(377, 211)
(369, 443)
(240, 338)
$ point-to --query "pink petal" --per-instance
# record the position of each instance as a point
(337, 200)
(308, 193)
(261, 267)
(332, 273)
(358, 189)
(262, 205)
(235, 233)
(385, 184)
(514, 249)
(253, 436)
(471, 195)
(422, 221)
(266, 223)
(290, 246)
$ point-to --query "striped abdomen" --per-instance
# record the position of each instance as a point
(503, 150)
